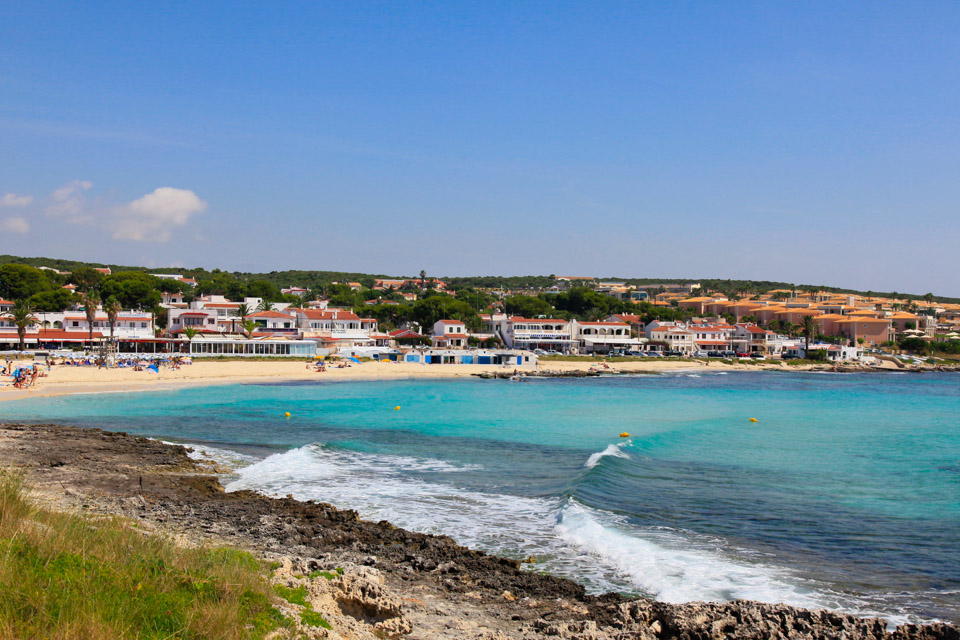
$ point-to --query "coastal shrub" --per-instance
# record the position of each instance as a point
(311, 618)
(67, 576)
(296, 595)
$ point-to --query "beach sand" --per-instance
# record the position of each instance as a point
(64, 380)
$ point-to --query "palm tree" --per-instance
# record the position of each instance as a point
(249, 326)
(112, 308)
(809, 330)
(265, 305)
(243, 310)
(423, 279)
(22, 317)
(90, 301)
(190, 333)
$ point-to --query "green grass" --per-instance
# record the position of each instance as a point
(297, 595)
(323, 574)
(311, 618)
(64, 576)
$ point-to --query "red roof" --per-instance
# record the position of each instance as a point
(269, 314)
(57, 334)
(222, 305)
(6, 302)
(753, 329)
(194, 313)
(327, 314)
(451, 321)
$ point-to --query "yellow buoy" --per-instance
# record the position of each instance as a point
(624, 435)
(287, 414)
(753, 419)
(396, 408)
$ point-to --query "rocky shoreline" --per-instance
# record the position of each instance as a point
(372, 579)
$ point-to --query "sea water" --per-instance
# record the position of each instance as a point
(845, 493)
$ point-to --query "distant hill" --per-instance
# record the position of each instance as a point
(312, 279)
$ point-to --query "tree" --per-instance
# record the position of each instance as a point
(265, 305)
(528, 307)
(423, 279)
(86, 278)
(19, 281)
(134, 289)
(22, 317)
(55, 300)
(249, 326)
(243, 310)
(928, 297)
(190, 333)
(90, 301)
(112, 308)
(809, 330)
(263, 289)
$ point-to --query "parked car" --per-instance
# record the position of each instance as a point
(743, 354)
(653, 354)
(728, 354)
(758, 356)
(674, 354)
(701, 354)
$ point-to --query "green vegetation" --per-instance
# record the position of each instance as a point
(327, 574)
(235, 285)
(64, 576)
(312, 618)
(298, 596)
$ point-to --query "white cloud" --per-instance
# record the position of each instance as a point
(69, 202)
(13, 200)
(156, 215)
(15, 225)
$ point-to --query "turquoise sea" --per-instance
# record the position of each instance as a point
(845, 493)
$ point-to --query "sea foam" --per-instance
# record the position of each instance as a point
(615, 450)
(567, 538)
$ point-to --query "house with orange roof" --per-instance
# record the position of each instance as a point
(449, 333)
(699, 304)
(873, 331)
(749, 338)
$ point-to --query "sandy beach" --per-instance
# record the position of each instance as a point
(64, 380)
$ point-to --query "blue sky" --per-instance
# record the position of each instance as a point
(806, 142)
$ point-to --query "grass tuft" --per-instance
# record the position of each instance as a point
(65, 576)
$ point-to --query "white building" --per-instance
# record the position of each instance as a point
(549, 334)
(449, 333)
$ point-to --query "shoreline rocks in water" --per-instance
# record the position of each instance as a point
(372, 579)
